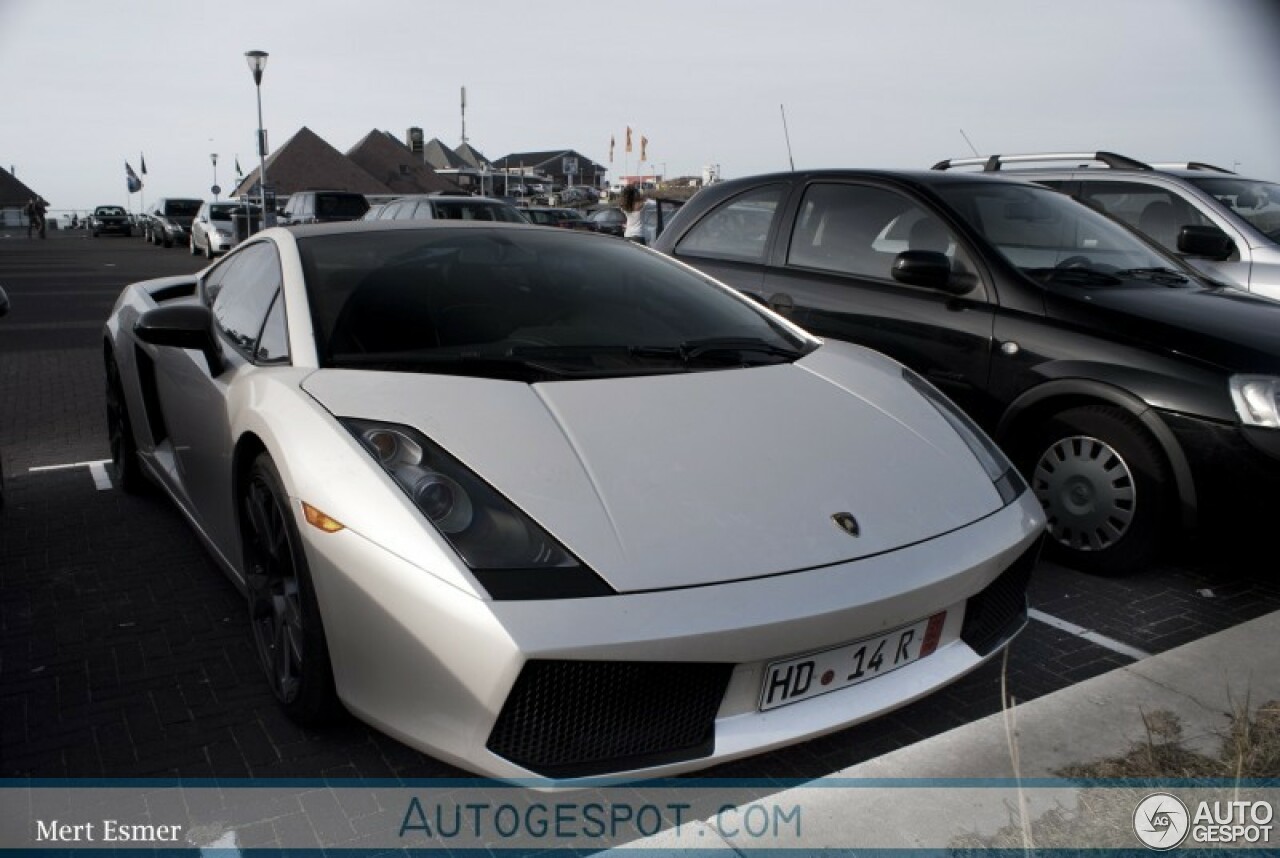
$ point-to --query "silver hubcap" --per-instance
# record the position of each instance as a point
(1087, 492)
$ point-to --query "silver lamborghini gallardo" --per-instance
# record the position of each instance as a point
(549, 504)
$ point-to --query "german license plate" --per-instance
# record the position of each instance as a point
(806, 676)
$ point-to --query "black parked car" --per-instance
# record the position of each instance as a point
(1129, 390)
(110, 219)
(323, 207)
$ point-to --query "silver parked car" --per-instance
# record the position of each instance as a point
(1224, 224)
(500, 489)
(450, 206)
(213, 231)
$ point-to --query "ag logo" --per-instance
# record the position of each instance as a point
(1161, 821)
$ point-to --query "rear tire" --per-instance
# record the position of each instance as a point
(1105, 488)
(284, 614)
(195, 251)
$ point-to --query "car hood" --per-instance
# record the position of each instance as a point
(695, 478)
(1224, 326)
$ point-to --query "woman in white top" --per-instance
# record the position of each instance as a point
(632, 203)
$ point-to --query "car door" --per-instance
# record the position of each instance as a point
(241, 294)
(835, 268)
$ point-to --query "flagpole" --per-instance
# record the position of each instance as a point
(142, 190)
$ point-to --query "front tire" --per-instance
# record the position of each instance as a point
(1105, 488)
(283, 611)
(124, 450)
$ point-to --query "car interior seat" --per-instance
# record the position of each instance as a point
(1158, 222)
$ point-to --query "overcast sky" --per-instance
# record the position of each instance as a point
(89, 85)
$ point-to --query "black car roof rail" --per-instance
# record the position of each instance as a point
(1193, 165)
(993, 163)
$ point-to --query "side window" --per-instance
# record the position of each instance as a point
(213, 280)
(860, 230)
(1154, 211)
(273, 344)
(247, 290)
(738, 229)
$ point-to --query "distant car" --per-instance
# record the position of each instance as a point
(323, 207)
(213, 231)
(1137, 397)
(1225, 225)
(374, 210)
(451, 206)
(549, 216)
(169, 220)
(547, 505)
(109, 219)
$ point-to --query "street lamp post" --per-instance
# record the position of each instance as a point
(213, 156)
(257, 62)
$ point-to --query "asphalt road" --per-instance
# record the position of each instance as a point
(125, 653)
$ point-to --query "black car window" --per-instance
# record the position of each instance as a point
(182, 208)
(273, 343)
(861, 229)
(463, 209)
(247, 290)
(341, 205)
(1256, 202)
(738, 229)
(1156, 212)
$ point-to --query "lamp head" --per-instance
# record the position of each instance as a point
(257, 62)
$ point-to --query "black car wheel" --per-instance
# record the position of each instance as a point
(208, 250)
(124, 451)
(1104, 486)
(283, 611)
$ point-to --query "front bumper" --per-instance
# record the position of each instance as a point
(1226, 460)
(436, 667)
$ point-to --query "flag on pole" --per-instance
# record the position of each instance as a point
(628, 149)
(144, 163)
(131, 180)
(239, 172)
(644, 142)
(611, 142)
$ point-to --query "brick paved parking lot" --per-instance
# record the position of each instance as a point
(125, 652)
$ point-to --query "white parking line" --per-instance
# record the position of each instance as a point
(97, 470)
(1091, 636)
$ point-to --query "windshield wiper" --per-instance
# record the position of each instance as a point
(1167, 276)
(1077, 274)
(692, 350)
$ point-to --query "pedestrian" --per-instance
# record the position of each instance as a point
(631, 202)
(36, 209)
(30, 211)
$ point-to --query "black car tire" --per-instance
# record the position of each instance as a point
(127, 469)
(194, 250)
(1105, 487)
(168, 242)
(208, 250)
(284, 615)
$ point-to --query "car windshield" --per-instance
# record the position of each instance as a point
(109, 211)
(525, 304)
(182, 208)
(463, 209)
(1256, 202)
(1050, 236)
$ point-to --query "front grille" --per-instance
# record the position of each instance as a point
(996, 614)
(578, 718)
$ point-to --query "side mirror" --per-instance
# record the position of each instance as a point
(1207, 241)
(930, 269)
(185, 326)
(4, 302)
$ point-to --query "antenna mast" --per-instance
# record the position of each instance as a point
(787, 135)
(970, 142)
(464, 114)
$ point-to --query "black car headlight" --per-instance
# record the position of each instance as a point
(1003, 474)
(508, 552)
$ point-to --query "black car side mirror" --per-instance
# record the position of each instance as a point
(185, 326)
(930, 269)
(1208, 241)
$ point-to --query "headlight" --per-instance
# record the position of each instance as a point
(508, 552)
(1257, 400)
(222, 233)
(1003, 474)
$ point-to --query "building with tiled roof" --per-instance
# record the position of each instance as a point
(306, 162)
(395, 165)
(14, 196)
(551, 163)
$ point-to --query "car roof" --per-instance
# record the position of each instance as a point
(357, 226)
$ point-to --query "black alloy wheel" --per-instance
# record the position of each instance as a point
(127, 470)
(1105, 488)
(283, 612)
